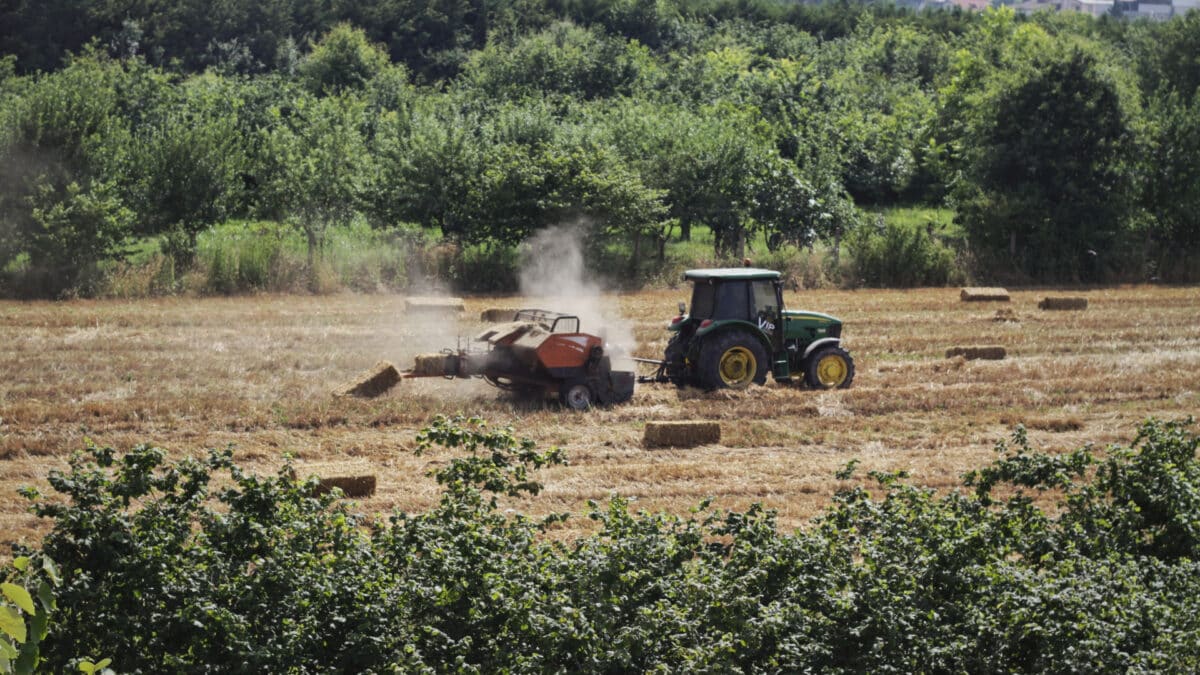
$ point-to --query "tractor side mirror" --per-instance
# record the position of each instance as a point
(682, 308)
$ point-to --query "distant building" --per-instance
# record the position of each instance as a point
(1031, 6)
(1093, 7)
(1184, 6)
(1155, 11)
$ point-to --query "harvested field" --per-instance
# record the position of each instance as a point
(189, 374)
(434, 305)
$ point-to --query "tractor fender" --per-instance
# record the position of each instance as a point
(734, 324)
(817, 344)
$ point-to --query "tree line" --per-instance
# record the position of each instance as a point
(1067, 146)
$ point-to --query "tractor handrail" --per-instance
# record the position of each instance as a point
(547, 317)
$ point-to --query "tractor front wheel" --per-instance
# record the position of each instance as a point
(732, 360)
(829, 368)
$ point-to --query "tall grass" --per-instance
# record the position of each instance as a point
(902, 247)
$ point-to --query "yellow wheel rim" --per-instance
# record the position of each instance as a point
(737, 367)
(831, 370)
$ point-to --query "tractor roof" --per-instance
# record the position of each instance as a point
(730, 273)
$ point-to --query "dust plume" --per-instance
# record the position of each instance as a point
(555, 276)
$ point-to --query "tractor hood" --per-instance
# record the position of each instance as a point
(807, 326)
(804, 315)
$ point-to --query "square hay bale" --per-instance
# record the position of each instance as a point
(434, 365)
(1064, 303)
(427, 305)
(375, 382)
(992, 353)
(351, 486)
(687, 434)
(497, 314)
(982, 294)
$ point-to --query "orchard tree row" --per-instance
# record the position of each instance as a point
(1069, 147)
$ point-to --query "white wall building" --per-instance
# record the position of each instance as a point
(1093, 7)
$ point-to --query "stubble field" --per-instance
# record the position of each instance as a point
(257, 372)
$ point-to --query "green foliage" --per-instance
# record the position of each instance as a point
(896, 255)
(265, 256)
(1054, 173)
(1172, 193)
(486, 122)
(27, 602)
(180, 566)
(315, 168)
(343, 59)
(74, 229)
(564, 59)
(186, 167)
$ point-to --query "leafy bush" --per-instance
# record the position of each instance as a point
(267, 256)
(26, 603)
(901, 256)
(198, 566)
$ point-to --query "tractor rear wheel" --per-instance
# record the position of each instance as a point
(577, 395)
(732, 360)
(829, 368)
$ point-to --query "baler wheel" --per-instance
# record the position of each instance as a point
(577, 395)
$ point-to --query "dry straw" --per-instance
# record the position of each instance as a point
(351, 486)
(681, 434)
(984, 295)
(994, 353)
(1063, 303)
(374, 382)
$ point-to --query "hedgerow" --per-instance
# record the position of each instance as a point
(1084, 561)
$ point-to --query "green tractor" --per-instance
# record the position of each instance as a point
(738, 330)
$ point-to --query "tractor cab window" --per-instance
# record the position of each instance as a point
(731, 301)
(702, 301)
(766, 304)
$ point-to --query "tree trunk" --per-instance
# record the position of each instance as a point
(310, 233)
(685, 230)
(741, 243)
(637, 251)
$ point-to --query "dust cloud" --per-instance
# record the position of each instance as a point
(554, 276)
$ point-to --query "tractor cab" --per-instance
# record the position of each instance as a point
(739, 294)
(736, 330)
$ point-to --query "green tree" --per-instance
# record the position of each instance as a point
(1172, 190)
(186, 167)
(428, 167)
(1052, 177)
(564, 59)
(341, 60)
(75, 227)
(316, 166)
(59, 206)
